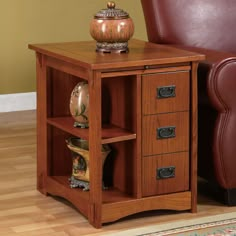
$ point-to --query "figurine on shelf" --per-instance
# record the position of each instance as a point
(79, 105)
(80, 159)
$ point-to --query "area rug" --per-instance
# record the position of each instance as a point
(215, 228)
(218, 225)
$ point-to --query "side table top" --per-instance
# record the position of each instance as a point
(140, 53)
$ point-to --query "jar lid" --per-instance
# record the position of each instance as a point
(111, 13)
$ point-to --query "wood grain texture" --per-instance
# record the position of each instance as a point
(138, 143)
(67, 68)
(152, 185)
(194, 135)
(83, 54)
(139, 70)
(175, 201)
(152, 145)
(95, 159)
(152, 104)
(42, 109)
(110, 133)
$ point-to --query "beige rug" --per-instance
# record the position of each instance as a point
(186, 227)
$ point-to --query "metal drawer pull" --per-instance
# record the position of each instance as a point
(166, 91)
(166, 132)
(166, 172)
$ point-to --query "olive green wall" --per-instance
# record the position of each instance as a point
(41, 21)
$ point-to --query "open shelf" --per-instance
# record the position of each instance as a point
(109, 195)
(64, 181)
(110, 133)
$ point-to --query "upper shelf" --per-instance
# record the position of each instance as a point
(110, 133)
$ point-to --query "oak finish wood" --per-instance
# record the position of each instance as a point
(152, 185)
(194, 134)
(115, 101)
(83, 54)
(151, 82)
(153, 145)
(41, 72)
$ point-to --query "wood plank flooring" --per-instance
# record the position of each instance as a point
(24, 211)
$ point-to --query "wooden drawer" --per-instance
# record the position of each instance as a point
(165, 92)
(165, 133)
(167, 173)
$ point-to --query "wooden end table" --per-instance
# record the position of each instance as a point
(148, 117)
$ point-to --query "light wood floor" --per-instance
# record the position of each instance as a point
(24, 211)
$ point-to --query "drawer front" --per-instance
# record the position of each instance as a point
(165, 133)
(167, 173)
(165, 92)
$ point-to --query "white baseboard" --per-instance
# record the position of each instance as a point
(17, 102)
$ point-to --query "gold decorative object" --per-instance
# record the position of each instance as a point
(80, 155)
(112, 28)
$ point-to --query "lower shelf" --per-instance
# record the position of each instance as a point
(116, 204)
(59, 186)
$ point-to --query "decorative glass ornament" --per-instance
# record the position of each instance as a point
(79, 105)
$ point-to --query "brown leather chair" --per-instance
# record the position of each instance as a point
(208, 27)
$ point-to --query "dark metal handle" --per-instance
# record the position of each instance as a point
(166, 91)
(166, 132)
(166, 172)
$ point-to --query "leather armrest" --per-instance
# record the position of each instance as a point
(217, 92)
(216, 78)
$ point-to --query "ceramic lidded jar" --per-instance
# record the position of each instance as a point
(112, 28)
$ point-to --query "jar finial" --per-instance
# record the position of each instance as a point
(111, 5)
